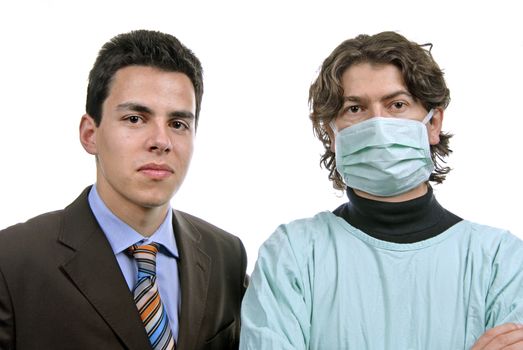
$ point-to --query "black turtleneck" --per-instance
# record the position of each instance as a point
(403, 222)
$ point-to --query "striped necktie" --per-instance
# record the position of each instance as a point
(147, 298)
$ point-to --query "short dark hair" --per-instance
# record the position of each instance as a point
(140, 48)
(422, 76)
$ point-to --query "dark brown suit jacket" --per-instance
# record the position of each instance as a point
(61, 286)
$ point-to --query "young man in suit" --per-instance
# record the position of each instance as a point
(88, 276)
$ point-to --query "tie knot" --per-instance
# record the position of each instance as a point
(145, 256)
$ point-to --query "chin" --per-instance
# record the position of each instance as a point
(152, 204)
(159, 198)
(156, 197)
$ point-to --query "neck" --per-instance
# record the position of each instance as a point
(417, 192)
(144, 220)
(402, 222)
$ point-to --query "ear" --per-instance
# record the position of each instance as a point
(88, 130)
(434, 126)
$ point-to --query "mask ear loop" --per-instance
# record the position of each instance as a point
(428, 117)
(335, 132)
(333, 127)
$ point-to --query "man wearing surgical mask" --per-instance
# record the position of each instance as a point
(391, 268)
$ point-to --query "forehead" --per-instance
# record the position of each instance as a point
(153, 85)
(372, 79)
(136, 76)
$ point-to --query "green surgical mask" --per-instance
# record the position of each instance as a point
(384, 156)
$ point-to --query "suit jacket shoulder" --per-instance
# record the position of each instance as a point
(208, 233)
(212, 269)
(61, 286)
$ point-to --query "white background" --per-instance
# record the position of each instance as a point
(256, 159)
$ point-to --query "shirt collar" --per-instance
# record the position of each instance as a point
(121, 236)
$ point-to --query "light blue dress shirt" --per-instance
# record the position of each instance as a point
(321, 284)
(121, 236)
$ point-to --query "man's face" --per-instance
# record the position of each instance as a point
(379, 90)
(144, 142)
(376, 90)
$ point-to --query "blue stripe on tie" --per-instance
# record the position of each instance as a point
(160, 329)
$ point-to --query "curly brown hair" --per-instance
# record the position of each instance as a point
(422, 76)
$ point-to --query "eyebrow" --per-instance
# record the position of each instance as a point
(182, 114)
(132, 106)
(136, 107)
(396, 94)
(384, 98)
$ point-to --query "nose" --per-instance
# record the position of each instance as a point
(377, 111)
(159, 140)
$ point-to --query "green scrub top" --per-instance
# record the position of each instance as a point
(320, 283)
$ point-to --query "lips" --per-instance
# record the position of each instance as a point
(156, 171)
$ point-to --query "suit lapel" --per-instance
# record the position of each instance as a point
(194, 269)
(93, 268)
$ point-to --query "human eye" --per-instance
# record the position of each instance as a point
(352, 109)
(179, 125)
(133, 119)
(398, 106)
